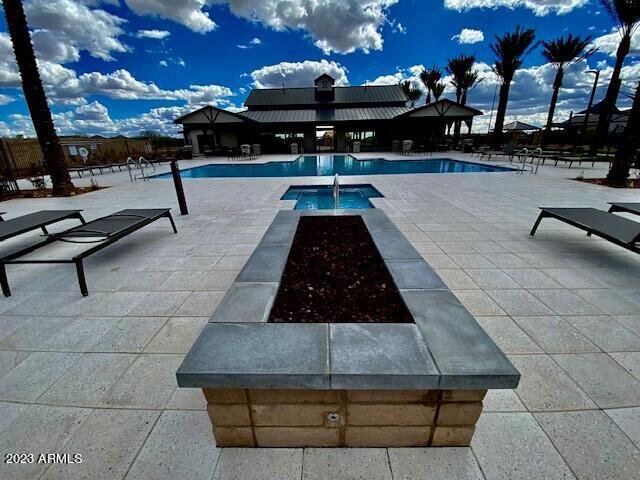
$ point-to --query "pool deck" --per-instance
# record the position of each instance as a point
(96, 375)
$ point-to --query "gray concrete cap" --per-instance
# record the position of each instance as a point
(266, 264)
(465, 355)
(380, 356)
(258, 355)
(393, 245)
(246, 302)
(414, 274)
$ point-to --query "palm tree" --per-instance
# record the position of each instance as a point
(628, 147)
(510, 50)
(626, 15)
(562, 53)
(458, 67)
(437, 89)
(430, 78)
(412, 93)
(463, 77)
(36, 98)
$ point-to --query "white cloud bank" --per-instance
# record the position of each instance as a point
(609, 43)
(185, 12)
(538, 7)
(340, 26)
(469, 36)
(64, 27)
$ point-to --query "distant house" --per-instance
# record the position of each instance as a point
(324, 117)
(617, 124)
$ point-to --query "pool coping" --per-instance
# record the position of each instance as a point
(500, 168)
(445, 349)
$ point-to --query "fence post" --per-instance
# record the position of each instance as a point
(177, 181)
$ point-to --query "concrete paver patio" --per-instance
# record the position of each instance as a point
(96, 375)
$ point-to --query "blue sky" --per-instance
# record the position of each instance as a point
(122, 66)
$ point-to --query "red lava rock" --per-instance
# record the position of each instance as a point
(335, 274)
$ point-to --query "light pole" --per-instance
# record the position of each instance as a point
(593, 94)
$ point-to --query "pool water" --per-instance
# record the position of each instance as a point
(320, 197)
(329, 165)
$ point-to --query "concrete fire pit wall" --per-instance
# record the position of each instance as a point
(344, 384)
(343, 418)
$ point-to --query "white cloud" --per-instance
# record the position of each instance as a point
(185, 12)
(412, 74)
(609, 43)
(539, 7)
(297, 74)
(73, 26)
(163, 63)
(253, 43)
(49, 46)
(340, 26)
(6, 99)
(8, 69)
(469, 36)
(153, 34)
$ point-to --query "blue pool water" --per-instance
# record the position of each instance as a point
(329, 165)
(320, 197)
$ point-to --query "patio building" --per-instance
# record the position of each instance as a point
(323, 118)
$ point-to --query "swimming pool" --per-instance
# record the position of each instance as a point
(320, 197)
(329, 165)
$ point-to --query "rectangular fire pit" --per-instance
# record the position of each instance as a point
(337, 333)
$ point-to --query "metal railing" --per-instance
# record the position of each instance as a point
(140, 164)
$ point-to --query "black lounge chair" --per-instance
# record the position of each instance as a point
(570, 159)
(96, 234)
(625, 207)
(19, 225)
(616, 229)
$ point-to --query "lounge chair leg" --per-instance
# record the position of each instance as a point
(535, 225)
(173, 225)
(3, 280)
(44, 230)
(81, 280)
(81, 218)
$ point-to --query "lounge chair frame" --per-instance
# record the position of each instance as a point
(63, 215)
(624, 207)
(544, 213)
(69, 236)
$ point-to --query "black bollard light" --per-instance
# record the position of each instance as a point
(177, 181)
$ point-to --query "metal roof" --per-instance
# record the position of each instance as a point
(265, 97)
(324, 115)
(519, 126)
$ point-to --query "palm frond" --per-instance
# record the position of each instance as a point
(565, 50)
(510, 50)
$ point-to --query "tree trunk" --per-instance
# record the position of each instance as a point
(496, 140)
(628, 147)
(36, 99)
(557, 83)
(458, 125)
(610, 99)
